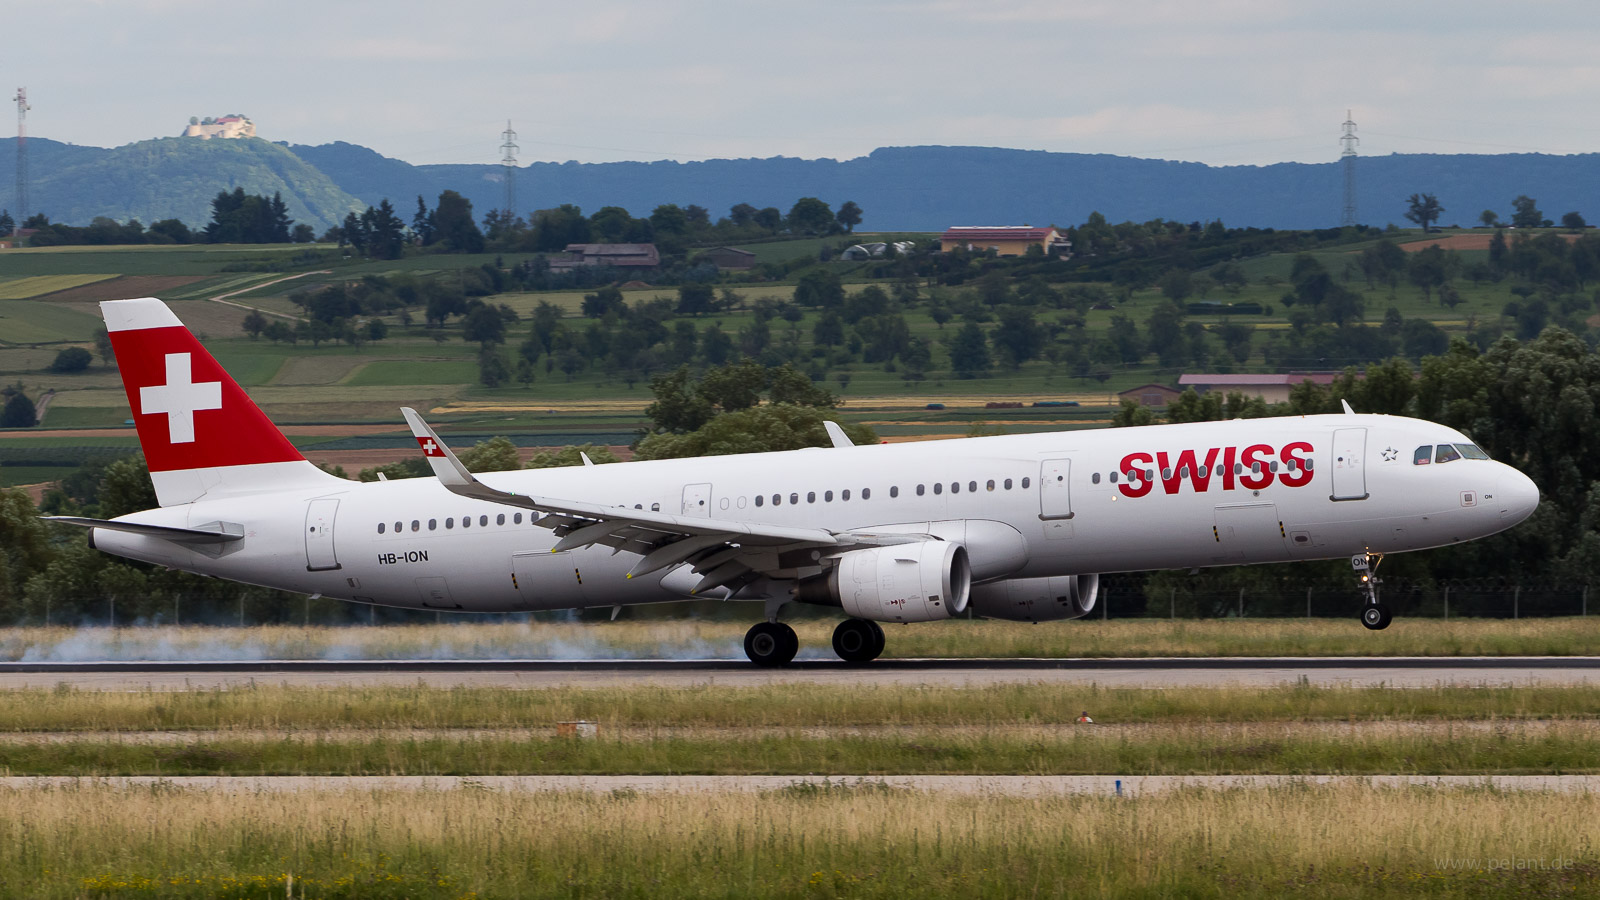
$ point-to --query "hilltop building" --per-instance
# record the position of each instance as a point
(230, 126)
(622, 256)
(1005, 240)
(1273, 388)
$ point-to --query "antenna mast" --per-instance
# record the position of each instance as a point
(1347, 158)
(22, 158)
(508, 162)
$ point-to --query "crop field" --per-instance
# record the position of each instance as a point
(24, 288)
(36, 322)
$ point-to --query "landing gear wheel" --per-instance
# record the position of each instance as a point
(1376, 617)
(858, 640)
(771, 644)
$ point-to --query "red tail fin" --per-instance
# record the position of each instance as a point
(190, 414)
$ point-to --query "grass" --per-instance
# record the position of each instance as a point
(11, 476)
(707, 638)
(860, 841)
(36, 322)
(1565, 748)
(774, 706)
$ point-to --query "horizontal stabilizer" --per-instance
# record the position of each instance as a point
(225, 533)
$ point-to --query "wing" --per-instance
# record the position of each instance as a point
(725, 553)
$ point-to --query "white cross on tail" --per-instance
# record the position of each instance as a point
(180, 398)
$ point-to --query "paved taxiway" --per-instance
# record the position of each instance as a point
(999, 785)
(1160, 672)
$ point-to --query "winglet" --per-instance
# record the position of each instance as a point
(1346, 404)
(446, 466)
(836, 434)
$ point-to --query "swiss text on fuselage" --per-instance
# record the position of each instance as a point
(1217, 467)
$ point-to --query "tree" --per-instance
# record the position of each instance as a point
(125, 487)
(454, 226)
(786, 384)
(1428, 270)
(7, 224)
(1573, 222)
(1489, 218)
(72, 359)
(1176, 285)
(1526, 214)
(811, 216)
(969, 352)
(819, 287)
(484, 325)
(678, 406)
(849, 215)
(734, 386)
(422, 223)
(1424, 210)
(572, 456)
(497, 454)
(385, 232)
(828, 331)
(695, 299)
(1018, 337)
(18, 411)
(759, 429)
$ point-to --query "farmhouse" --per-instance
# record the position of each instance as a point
(1157, 395)
(1004, 240)
(1269, 387)
(620, 256)
(729, 258)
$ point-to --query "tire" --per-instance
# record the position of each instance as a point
(857, 640)
(1376, 617)
(771, 644)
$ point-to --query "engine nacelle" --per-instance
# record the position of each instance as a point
(915, 582)
(1037, 599)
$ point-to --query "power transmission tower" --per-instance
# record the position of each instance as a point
(22, 157)
(508, 162)
(1347, 158)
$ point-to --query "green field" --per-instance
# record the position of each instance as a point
(36, 322)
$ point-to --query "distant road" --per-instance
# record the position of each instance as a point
(1158, 672)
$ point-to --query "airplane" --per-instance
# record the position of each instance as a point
(1016, 527)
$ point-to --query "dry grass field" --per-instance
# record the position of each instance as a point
(863, 840)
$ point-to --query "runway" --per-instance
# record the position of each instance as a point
(993, 785)
(526, 673)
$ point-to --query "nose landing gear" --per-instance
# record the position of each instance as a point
(1374, 615)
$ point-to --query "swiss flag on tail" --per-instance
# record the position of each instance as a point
(189, 413)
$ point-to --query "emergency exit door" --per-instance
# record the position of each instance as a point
(1055, 489)
(320, 555)
(1349, 464)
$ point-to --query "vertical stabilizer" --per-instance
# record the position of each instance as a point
(201, 433)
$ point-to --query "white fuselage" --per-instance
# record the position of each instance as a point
(1025, 506)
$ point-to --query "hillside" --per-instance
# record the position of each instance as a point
(900, 188)
(169, 178)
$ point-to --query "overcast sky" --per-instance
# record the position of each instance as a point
(1217, 81)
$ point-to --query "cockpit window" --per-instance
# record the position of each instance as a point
(1471, 451)
(1446, 453)
(1423, 456)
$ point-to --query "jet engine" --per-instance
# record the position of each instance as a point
(1037, 599)
(912, 582)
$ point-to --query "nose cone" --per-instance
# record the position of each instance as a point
(1516, 496)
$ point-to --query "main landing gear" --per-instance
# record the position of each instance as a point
(775, 644)
(1374, 615)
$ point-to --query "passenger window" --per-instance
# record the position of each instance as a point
(1007, 484)
(516, 518)
(777, 499)
(448, 523)
(955, 487)
(500, 519)
(758, 500)
(1238, 468)
(794, 499)
(921, 490)
(1093, 479)
(827, 496)
(483, 521)
(811, 496)
(866, 493)
(380, 527)
(1446, 453)
(1255, 467)
(466, 521)
(844, 494)
(1307, 464)
(1025, 483)
(1183, 472)
(972, 486)
(938, 487)
(433, 524)
(415, 525)
(399, 527)
(1113, 478)
(894, 491)
(1166, 473)
(1423, 456)
(1273, 466)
